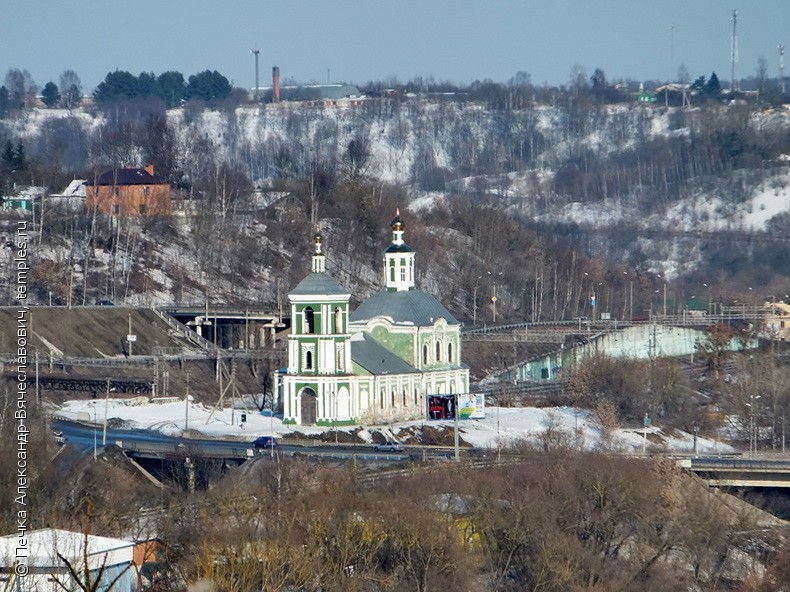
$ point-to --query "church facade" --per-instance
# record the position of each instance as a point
(377, 363)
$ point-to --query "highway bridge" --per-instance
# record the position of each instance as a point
(765, 470)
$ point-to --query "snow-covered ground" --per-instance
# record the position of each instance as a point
(510, 426)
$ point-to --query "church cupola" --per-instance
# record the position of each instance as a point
(319, 261)
(399, 259)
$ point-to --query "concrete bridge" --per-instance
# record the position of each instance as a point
(763, 470)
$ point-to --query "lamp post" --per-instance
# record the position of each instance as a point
(494, 297)
(455, 423)
(753, 424)
(333, 394)
(474, 300)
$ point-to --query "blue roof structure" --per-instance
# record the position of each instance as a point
(412, 307)
(319, 284)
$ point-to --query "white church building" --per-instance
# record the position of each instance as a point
(377, 363)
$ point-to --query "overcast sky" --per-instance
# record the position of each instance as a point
(360, 40)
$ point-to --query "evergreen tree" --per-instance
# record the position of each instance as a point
(147, 85)
(50, 94)
(117, 86)
(4, 102)
(8, 154)
(208, 86)
(20, 160)
(713, 87)
(171, 88)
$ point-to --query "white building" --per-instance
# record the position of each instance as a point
(109, 560)
(377, 363)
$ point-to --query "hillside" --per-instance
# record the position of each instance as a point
(559, 201)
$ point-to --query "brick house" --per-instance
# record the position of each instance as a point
(129, 192)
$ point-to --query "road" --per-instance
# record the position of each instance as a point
(155, 444)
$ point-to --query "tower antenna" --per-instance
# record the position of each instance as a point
(782, 67)
(734, 51)
(256, 51)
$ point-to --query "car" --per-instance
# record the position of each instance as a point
(389, 446)
(104, 303)
(264, 442)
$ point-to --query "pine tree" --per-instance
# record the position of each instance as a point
(713, 86)
(8, 154)
(20, 160)
(50, 94)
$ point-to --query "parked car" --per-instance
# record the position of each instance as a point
(389, 446)
(264, 442)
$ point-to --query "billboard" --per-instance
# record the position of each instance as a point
(470, 406)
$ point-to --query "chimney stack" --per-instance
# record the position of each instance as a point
(149, 168)
(275, 84)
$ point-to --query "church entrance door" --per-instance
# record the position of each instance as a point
(308, 406)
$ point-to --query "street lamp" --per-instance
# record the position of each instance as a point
(753, 436)
(494, 297)
(333, 395)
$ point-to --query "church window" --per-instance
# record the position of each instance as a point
(404, 397)
(450, 352)
(438, 351)
(382, 398)
(308, 320)
(403, 274)
(392, 397)
(308, 356)
(425, 354)
(416, 396)
(340, 355)
(338, 320)
(392, 274)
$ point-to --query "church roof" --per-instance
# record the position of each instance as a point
(409, 307)
(404, 248)
(377, 359)
(318, 284)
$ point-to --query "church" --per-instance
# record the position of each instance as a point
(375, 364)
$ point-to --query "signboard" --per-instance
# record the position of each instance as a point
(470, 406)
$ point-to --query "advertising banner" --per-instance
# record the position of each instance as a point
(470, 406)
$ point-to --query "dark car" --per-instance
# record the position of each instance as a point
(264, 442)
(104, 303)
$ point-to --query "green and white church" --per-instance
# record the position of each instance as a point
(377, 363)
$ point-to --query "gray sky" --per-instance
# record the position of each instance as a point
(361, 40)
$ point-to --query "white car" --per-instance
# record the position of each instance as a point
(389, 446)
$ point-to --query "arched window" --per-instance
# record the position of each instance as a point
(425, 354)
(382, 398)
(308, 360)
(404, 397)
(338, 320)
(450, 352)
(308, 320)
(438, 351)
(392, 397)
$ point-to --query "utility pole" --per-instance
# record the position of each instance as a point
(255, 52)
(106, 405)
(782, 67)
(457, 443)
(186, 406)
(733, 53)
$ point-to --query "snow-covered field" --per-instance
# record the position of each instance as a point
(510, 426)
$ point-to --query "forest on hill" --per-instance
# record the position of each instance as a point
(546, 195)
